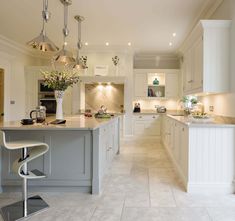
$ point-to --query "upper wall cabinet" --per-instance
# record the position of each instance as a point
(156, 83)
(206, 58)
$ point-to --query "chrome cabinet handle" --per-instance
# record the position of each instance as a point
(154, 117)
(140, 116)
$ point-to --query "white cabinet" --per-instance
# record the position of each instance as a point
(172, 85)
(205, 61)
(146, 125)
(168, 83)
(203, 155)
(140, 85)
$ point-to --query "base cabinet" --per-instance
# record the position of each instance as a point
(204, 156)
(147, 125)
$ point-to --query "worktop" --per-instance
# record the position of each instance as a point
(217, 121)
(75, 122)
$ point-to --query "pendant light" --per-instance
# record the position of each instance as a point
(42, 42)
(64, 56)
(79, 65)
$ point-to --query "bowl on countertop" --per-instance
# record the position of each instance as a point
(27, 121)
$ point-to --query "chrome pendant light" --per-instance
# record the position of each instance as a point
(42, 42)
(79, 65)
(64, 56)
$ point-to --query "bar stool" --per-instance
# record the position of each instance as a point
(32, 205)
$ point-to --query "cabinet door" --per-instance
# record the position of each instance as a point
(177, 141)
(187, 75)
(183, 162)
(140, 85)
(197, 64)
(172, 85)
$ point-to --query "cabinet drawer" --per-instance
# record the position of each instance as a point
(146, 117)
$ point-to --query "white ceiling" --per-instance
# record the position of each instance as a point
(147, 24)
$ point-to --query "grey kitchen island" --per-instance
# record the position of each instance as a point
(80, 154)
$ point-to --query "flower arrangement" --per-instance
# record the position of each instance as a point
(115, 60)
(60, 80)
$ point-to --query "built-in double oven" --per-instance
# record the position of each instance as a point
(46, 97)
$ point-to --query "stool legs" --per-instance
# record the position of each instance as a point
(25, 182)
(27, 206)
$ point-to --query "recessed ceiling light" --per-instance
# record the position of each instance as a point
(65, 43)
(86, 43)
(170, 44)
(174, 34)
(129, 43)
(107, 44)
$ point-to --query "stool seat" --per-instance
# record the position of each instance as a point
(31, 150)
(13, 145)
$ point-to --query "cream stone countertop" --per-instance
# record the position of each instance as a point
(216, 121)
(149, 112)
(75, 122)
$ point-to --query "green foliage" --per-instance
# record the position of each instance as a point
(59, 80)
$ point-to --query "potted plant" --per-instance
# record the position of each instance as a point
(59, 81)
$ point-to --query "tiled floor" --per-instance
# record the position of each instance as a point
(141, 186)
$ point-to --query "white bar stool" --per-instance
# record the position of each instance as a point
(32, 205)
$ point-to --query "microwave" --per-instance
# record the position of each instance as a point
(43, 88)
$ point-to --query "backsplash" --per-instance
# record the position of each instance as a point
(223, 104)
(109, 95)
(170, 104)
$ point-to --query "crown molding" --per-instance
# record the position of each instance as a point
(207, 10)
(23, 49)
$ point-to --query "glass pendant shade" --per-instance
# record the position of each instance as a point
(42, 42)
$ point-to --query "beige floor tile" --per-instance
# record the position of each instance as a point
(137, 200)
(107, 215)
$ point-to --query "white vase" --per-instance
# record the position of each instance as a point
(59, 104)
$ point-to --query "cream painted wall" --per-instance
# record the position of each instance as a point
(13, 61)
(224, 103)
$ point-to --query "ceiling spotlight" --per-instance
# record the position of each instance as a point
(107, 44)
(129, 43)
(174, 34)
(170, 44)
(86, 43)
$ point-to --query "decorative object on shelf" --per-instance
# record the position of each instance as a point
(115, 60)
(79, 62)
(158, 94)
(42, 42)
(83, 60)
(156, 81)
(64, 56)
(59, 81)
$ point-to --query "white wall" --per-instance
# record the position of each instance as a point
(224, 103)
(13, 60)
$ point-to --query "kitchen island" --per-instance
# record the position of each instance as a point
(80, 154)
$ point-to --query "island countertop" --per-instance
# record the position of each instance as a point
(74, 122)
